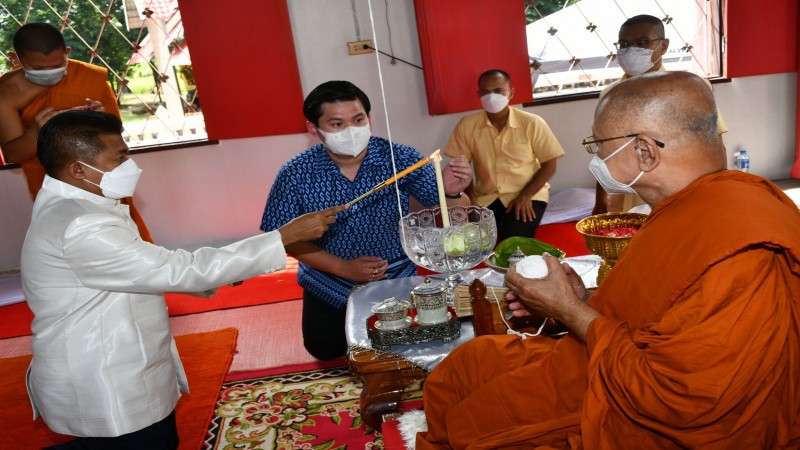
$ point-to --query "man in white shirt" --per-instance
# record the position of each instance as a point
(105, 367)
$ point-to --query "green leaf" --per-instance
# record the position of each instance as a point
(529, 246)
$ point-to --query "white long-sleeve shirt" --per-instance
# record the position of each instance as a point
(104, 361)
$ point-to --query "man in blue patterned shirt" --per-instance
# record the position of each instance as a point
(364, 243)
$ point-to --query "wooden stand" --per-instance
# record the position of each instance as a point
(487, 319)
(385, 377)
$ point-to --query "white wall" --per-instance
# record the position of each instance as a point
(213, 195)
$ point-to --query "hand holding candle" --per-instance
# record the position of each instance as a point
(437, 162)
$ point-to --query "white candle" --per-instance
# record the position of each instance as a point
(437, 162)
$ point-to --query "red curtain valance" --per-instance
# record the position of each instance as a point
(762, 37)
(245, 67)
(460, 39)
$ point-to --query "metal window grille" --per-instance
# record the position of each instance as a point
(572, 51)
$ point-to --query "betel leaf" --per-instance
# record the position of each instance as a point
(529, 246)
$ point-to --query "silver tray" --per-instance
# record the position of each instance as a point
(415, 333)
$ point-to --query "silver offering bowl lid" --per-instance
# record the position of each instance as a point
(428, 287)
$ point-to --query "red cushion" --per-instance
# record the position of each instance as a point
(392, 439)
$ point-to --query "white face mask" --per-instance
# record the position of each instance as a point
(348, 142)
(494, 103)
(634, 60)
(47, 77)
(120, 182)
(600, 171)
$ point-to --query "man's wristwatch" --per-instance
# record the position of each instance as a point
(454, 197)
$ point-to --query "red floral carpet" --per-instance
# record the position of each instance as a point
(313, 409)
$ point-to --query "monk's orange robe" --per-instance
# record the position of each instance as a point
(698, 345)
(81, 82)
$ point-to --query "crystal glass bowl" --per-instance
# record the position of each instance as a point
(468, 240)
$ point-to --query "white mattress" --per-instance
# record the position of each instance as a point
(569, 205)
(11, 289)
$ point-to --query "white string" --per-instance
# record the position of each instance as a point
(510, 330)
(521, 334)
(385, 108)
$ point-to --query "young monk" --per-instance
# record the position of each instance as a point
(46, 83)
(693, 340)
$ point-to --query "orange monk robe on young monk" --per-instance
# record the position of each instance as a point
(81, 82)
(695, 342)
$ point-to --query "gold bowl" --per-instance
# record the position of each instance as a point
(606, 247)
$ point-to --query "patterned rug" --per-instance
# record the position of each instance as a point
(316, 409)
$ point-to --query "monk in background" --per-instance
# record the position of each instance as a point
(692, 341)
(46, 83)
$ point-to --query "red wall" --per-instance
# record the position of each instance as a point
(762, 37)
(460, 39)
(245, 67)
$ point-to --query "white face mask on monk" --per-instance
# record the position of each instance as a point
(48, 77)
(600, 171)
(348, 142)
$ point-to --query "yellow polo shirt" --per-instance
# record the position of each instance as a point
(504, 162)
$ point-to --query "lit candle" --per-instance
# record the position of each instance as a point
(437, 162)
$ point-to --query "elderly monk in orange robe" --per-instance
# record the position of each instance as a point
(693, 340)
(46, 84)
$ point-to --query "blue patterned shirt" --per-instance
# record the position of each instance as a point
(311, 181)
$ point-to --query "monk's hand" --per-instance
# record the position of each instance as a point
(309, 226)
(94, 105)
(576, 281)
(516, 305)
(457, 175)
(550, 295)
(42, 117)
(553, 296)
(522, 207)
(366, 268)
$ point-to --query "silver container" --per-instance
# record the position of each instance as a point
(430, 300)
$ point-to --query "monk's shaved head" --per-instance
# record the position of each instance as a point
(674, 106)
(674, 118)
(38, 37)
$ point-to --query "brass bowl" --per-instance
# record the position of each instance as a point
(608, 248)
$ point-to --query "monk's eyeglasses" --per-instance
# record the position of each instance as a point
(592, 145)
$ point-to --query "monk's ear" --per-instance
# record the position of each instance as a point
(648, 152)
(14, 59)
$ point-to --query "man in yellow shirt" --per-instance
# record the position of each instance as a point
(513, 155)
(641, 46)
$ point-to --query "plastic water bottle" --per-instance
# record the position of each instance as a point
(743, 161)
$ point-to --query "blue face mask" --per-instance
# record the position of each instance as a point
(600, 171)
